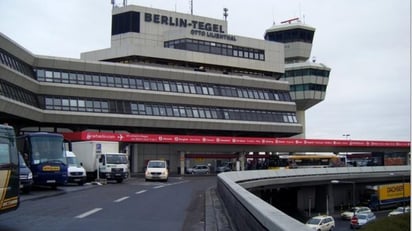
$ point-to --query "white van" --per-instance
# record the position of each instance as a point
(75, 170)
(157, 170)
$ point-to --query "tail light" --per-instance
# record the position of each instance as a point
(354, 220)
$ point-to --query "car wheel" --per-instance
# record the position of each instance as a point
(331, 228)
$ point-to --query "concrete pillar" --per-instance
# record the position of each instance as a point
(331, 199)
(182, 163)
(135, 160)
(242, 160)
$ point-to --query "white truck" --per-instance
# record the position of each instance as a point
(102, 160)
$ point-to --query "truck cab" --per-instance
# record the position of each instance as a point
(113, 166)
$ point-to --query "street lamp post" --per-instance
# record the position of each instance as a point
(346, 135)
(347, 182)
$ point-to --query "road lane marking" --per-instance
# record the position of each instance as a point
(121, 199)
(170, 184)
(141, 191)
(88, 213)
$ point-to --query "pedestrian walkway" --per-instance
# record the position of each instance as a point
(215, 215)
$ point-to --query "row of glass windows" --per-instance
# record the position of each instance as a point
(141, 83)
(149, 109)
(15, 63)
(293, 35)
(152, 109)
(96, 79)
(307, 71)
(216, 48)
(308, 87)
(16, 93)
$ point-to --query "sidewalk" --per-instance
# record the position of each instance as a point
(216, 218)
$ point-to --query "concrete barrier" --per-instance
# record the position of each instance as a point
(249, 212)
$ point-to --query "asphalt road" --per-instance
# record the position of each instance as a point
(132, 205)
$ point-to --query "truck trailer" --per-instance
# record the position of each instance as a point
(387, 195)
(102, 160)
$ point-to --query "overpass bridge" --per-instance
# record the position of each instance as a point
(248, 211)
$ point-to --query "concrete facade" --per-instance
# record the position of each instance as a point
(165, 73)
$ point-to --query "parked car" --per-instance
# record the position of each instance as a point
(226, 167)
(157, 170)
(321, 223)
(399, 211)
(361, 219)
(75, 171)
(347, 215)
(200, 169)
(26, 176)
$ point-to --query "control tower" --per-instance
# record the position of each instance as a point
(308, 79)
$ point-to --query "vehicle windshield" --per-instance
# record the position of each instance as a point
(22, 162)
(72, 161)
(156, 164)
(116, 159)
(47, 149)
(313, 221)
(4, 153)
(400, 209)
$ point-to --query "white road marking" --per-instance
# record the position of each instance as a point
(141, 191)
(170, 184)
(88, 213)
(121, 199)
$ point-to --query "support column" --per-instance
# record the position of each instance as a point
(331, 199)
(242, 160)
(134, 153)
(182, 163)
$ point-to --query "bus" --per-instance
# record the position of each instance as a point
(44, 153)
(315, 160)
(9, 170)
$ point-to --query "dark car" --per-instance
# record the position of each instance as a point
(26, 177)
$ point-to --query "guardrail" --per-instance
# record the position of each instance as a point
(249, 212)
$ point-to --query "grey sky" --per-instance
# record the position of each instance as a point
(366, 43)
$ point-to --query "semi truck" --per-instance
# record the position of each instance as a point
(387, 195)
(102, 160)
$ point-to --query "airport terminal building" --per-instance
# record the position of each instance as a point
(168, 73)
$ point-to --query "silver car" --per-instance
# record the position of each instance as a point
(347, 215)
(200, 169)
(361, 219)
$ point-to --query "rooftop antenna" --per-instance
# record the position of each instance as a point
(191, 7)
(124, 2)
(113, 3)
(225, 14)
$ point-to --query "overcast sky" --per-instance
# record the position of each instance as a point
(366, 43)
